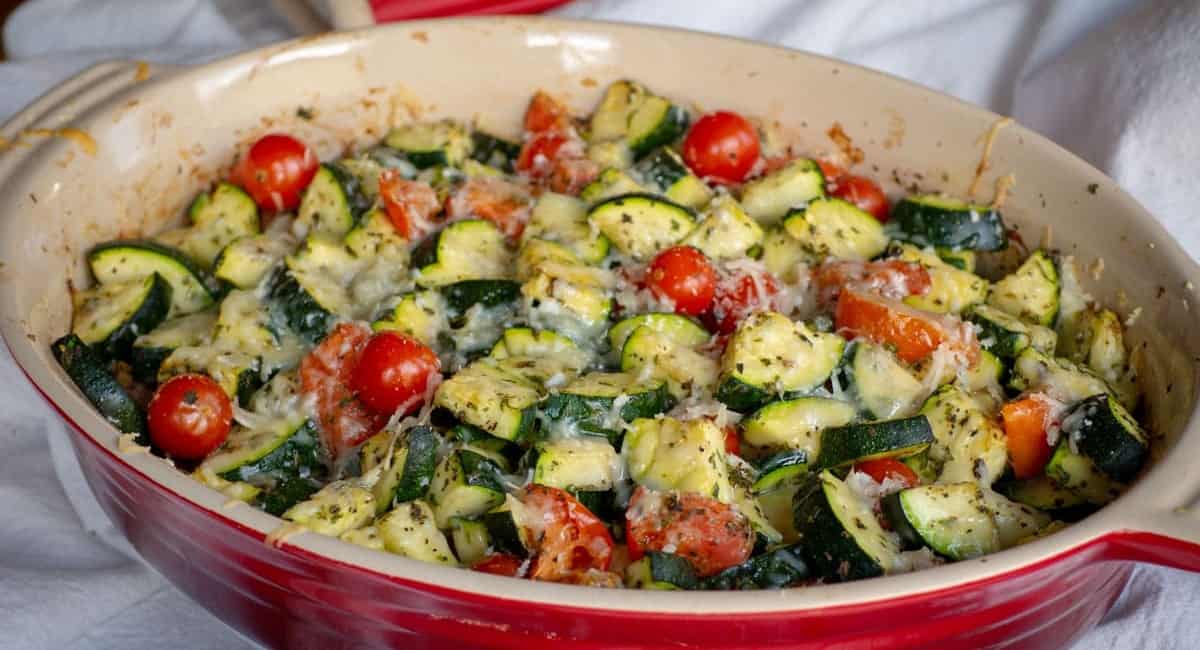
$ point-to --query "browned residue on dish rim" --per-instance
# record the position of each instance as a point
(845, 144)
(988, 140)
(79, 137)
(421, 37)
(142, 72)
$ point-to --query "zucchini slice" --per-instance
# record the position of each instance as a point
(487, 397)
(419, 314)
(247, 260)
(562, 218)
(150, 350)
(640, 225)
(780, 468)
(464, 250)
(841, 538)
(1059, 378)
(852, 443)
(332, 203)
(336, 508)
(774, 569)
(655, 122)
(952, 519)
(883, 387)
(375, 237)
(931, 220)
(408, 474)
(465, 484)
(124, 261)
(110, 317)
(725, 231)
(1031, 292)
(1007, 336)
(968, 445)
(90, 373)
(661, 571)
(1046, 495)
(1014, 521)
(464, 294)
(796, 424)
(285, 456)
(470, 539)
(611, 182)
(769, 198)
(610, 120)
(669, 454)
(494, 151)
(743, 477)
(951, 289)
(1104, 431)
(1108, 358)
(681, 329)
(503, 525)
(218, 218)
(657, 355)
(528, 342)
(665, 172)
(1078, 473)
(589, 405)
(431, 144)
(833, 228)
(310, 291)
(782, 253)
(411, 530)
(585, 463)
(770, 357)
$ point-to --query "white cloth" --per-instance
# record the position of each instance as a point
(1113, 80)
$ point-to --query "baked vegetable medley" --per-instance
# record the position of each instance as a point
(645, 348)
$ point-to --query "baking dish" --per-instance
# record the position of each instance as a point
(119, 149)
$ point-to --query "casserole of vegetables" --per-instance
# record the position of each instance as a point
(647, 348)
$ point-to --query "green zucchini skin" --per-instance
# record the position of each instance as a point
(193, 288)
(505, 533)
(829, 549)
(295, 469)
(153, 310)
(90, 373)
(931, 220)
(419, 465)
(781, 467)
(743, 397)
(1105, 432)
(893, 511)
(465, 294)
(588, 413)
(844, 445)
(775, 569)
(666, 571)
(602, 503)
(299, 309)
(494, 151)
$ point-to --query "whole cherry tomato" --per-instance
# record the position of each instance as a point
(189, 417)
(275, 171)
(394, 372)
(684, 276)
(721, 147)
(863, 192)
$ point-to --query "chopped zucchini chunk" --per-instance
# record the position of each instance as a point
(124, 261)
(1059, 378)
(725, 231)
(151, 349)
(1031, 292)
(246, 261)
(1078, 474)
(953, 519)
(852, 443)
(841, 538)
(769, 198)
(661, 571)
(563, 219)
(640, 225)
(653, 354)
(882, 386)
(951, 289)
(218, 218)
(796, 424)
(833, 228)
(601, 403)
(336, 508)
(665, 172)
(610, 120)
(463, 250)
(655, 122)
(465, 484)
(669, 454)
(411, 530)
(585, 463)
(931, 220)
(1006, 336)
(611, 182)
(419, 314)
(487, 397)
(967, 444)
(332, 203)
(110, 317)
(431, 144)
(1105, 432)
(90, 373)
(769, 356)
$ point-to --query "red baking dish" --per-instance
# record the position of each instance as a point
(131, 144)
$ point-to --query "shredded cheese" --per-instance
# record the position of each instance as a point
(989, 139)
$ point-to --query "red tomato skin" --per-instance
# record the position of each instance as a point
(684, 276)
(501, 564)
(504, 203)
(1025, 434)
(393, 373)
(737, 297)
(545, 113)
(571, 543)
(721, 147)
(914, 334)
(733, 442)
(410, 205)
(275, 171)
(864, 193)
(538, 154)
(894, 279)
(189, 417)
(325, 375)
(831, 171)
(713, 536)
(883, 468)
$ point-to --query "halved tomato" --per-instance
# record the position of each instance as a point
(410, 205)
(738, 295)
(571, 544)
(325, 375)
(545, 113)
(914, 334)
(502, 202)
(712, 535)
(1025, 423)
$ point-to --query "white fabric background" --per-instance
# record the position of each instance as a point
(1116, 81)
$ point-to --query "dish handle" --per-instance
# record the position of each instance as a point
(64, 102)
(1167, 533)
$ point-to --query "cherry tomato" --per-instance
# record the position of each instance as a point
(539, 153)
(501, 564)
(739, 295)
(684, 276)
(885, 468)
(831, 171)
(189, 417)
(1025, 422)
(721, 147)
(713, 536)
(571, 541)
(393, 373)
(275, 171)
(325, 376)
(570, 175)
(546, 113)
(410, 205)
(502, 202)
(865, 193)
(913, 333)
(733, 443)
(894, 279)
